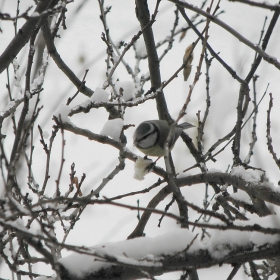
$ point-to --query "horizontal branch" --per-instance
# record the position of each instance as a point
(262, 190)
(108, 141)
(123, 265)
(227, 224)
(85, 108)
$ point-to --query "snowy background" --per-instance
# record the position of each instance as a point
(81, 48)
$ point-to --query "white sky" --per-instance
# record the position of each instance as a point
(81, 42)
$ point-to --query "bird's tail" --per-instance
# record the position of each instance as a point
(185, 125)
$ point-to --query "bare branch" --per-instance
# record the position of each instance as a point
(263, 54)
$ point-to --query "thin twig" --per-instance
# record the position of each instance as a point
(263, 5)
(263, 54)
(268, 134)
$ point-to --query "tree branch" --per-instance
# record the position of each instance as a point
(143, 15)
(24, 34)
(265, 56)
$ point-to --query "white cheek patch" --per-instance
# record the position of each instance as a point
(148, 142)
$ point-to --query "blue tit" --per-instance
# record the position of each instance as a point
(150, 136)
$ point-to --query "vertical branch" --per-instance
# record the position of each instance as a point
(11, 182)
(183, 208)
(254, 134)
(201, 124)
(62, 161)
(143, 16)
(204, 46)
(200, 158)
(48, 153)
(268, 135)
(29, 160)
(107, 39)
(17, 13)
(243, 92)
(8, 86)
(244, 98)
(171, 36)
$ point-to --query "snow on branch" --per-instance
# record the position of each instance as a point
(176, 249)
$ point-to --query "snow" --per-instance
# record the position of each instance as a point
(247, 175)
(10, 106)
(140, 47)
(140, 168)
(79, 264)
(37, 82)
(115, 57)
(28, 94)
(148, 251)
(136, 249)
(260, 239)
(252, 176)
(271, 186)
(17, 77)
(128, 89)
(182, 175)
(100, 95)
(223, 242)
(113, 129)
(242, 196)
(45, 58)
(21, 208)
(214, 170)
(173, 94)
(35, 14)
(17, 224)
(62, 113)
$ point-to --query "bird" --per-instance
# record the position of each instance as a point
(150, 136)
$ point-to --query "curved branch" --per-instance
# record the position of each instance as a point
(260, 190)
(61, 64)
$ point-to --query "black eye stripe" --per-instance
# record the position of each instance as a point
(149, 131)
(156, 130)
(152, 131)
(149, 134)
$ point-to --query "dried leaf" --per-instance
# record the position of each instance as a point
(183, 35)
(76, 183)
(188, 57)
